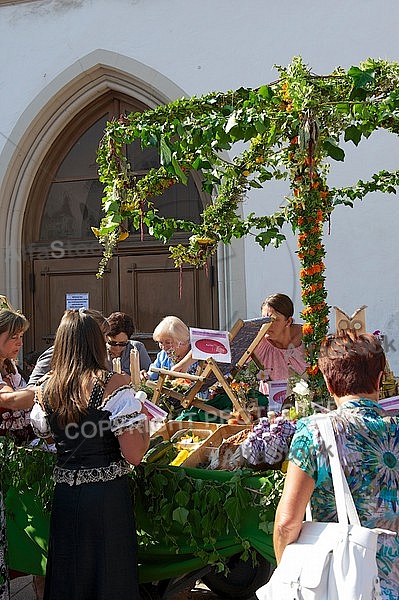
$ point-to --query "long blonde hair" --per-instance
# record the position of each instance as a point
(79, 355)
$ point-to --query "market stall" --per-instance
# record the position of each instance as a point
(188, 519)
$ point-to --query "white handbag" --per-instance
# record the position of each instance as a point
(329, 561)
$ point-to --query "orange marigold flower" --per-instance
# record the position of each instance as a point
(312, 370)
(319, 216)
(302, 237)
(307, 329)
(323, 194)
(318, 268)
(294, 140)
(300, 220)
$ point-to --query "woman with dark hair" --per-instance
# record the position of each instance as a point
(367, 440)
(99, 427)
(281, 349)
(119, 342)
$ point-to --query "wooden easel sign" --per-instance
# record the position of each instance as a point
(210, 343)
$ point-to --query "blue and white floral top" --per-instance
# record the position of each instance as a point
(368, 445)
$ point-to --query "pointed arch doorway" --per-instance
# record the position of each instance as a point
(62, 254)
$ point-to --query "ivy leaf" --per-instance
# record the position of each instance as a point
(213, 497)
(200, 163)
(232, 508)
(360, 77)
(182, 176)
(180, 515)
(255, 184)
(333, 150)
(353, 133)
(261, 126)
(195, 519)
(265, 237)
(207, 524)
(266, 92)
(182, 498)
(165, 152)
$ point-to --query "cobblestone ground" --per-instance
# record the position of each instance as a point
(198, 591)
(22, 589)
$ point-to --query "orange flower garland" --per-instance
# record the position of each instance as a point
(311, 207)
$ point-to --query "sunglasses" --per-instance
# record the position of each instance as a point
(118, 343)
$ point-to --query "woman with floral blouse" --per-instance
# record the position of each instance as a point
(368, 446)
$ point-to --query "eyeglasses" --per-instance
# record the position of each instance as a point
(166, 344)
(122, 344)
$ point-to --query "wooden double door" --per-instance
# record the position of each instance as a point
(145, 285)
(63, 255)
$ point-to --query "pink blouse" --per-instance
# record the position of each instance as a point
(276, 361)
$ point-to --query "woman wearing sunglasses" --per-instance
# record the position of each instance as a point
(119, 344)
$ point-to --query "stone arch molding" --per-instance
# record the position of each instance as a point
(38, 127)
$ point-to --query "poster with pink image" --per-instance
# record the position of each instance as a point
(207, 343)
(277, 394)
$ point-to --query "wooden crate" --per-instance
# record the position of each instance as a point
(203, 430)
(196, 458)
(222, 433)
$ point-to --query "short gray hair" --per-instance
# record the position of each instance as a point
(173, 327)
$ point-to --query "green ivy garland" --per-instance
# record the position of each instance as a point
(291, 128)
(204, 511)
(27, 469)
(169, 500)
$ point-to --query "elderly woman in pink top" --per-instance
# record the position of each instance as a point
(281, 348)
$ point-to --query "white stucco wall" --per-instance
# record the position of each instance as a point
(224, 44)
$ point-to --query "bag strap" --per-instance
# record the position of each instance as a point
(343, 498)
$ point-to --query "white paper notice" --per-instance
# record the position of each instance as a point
(206, 343)
(76, 301)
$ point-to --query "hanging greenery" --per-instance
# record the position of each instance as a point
(171, 503)
(291, 129)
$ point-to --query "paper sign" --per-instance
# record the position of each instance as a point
(277, 394)
(207, 343)
(76, 301)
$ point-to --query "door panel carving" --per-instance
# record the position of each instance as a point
(54, 278)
